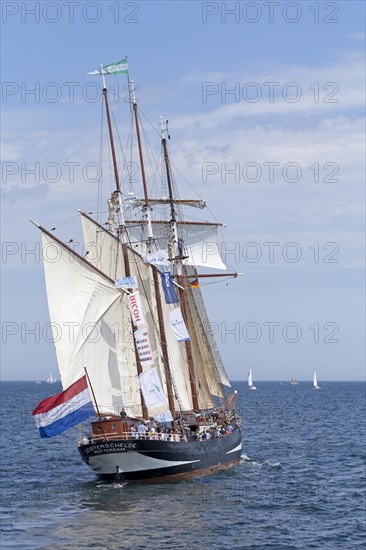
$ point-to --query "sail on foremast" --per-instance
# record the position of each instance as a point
(91, 327)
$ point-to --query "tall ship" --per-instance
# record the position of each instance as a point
(143, 364)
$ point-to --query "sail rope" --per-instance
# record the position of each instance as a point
(100, 179)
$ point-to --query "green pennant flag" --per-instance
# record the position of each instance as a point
(120, 67)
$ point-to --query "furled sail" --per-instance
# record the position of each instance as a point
(207, 335)
(91, 329)
(206, 355)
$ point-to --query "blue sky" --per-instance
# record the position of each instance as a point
(183, 67)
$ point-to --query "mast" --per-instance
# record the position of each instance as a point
(115, 166)
(163, 340)
(124, 244)
(178, 256)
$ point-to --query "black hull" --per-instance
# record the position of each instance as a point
(160, 461)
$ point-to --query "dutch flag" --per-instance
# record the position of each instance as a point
(56, 414)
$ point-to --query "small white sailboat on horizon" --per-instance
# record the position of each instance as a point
(315, 381)
(51, 379)
(250, 380)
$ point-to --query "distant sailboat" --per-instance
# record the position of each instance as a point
(293, 381)
(315, 381)
(51, 379)
(250, 380)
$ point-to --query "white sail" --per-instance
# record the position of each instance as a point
(177, 361)
(250, 378)
(91, 329)
(315, 380)
(200, 241)
(106, 253)
(101, 248)
(94, 233)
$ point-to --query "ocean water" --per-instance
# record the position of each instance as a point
(300, 483)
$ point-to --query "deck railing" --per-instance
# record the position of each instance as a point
(175, 438)
(154, 436)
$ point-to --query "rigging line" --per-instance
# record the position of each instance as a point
(63, 221)
(154, 165)
(194, 190)
(101, 158)
(172, 164)
(127, 165)
(131, 133)
(157, 147)
(141, 112)
(115, 95)
(151, 124)
(124, 156)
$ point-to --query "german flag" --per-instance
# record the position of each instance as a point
(194, 284)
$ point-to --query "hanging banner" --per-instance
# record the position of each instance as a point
(126, 282)
(178, 325)
(136, 309)
(152, 390)
(168, 287)
(143, 346)
(159, 257)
